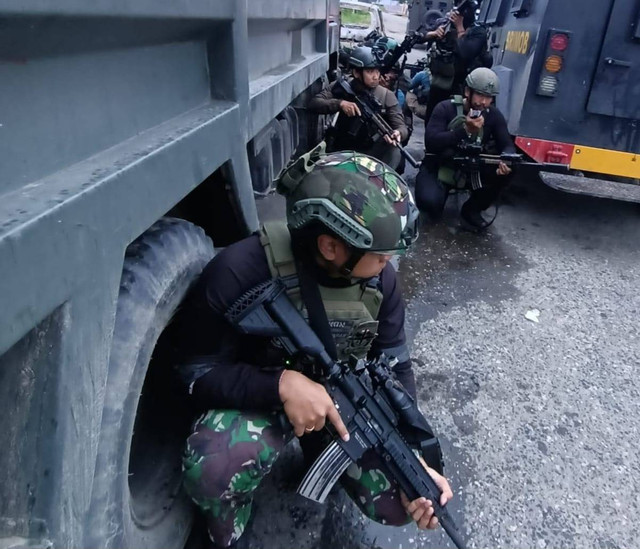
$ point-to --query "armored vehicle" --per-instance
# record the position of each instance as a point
(134, 138)
(570, 75)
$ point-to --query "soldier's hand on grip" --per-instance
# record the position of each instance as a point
(308, 405)
(503, 169)
(394, 138)
(421, 509)
(349, 108)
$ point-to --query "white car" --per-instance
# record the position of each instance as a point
(358, 19)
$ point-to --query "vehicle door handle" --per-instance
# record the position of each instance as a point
(617, 62)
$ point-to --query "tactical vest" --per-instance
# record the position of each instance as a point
(442, 65)
(447, 173)
(352, 311)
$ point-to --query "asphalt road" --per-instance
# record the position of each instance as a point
(539, 419)
(394, 25)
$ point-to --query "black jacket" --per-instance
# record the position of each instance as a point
(438, 139)
(242, 372)
(328, 102)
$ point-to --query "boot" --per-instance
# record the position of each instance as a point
(473, 218)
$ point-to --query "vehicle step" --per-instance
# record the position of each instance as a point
(603, 188)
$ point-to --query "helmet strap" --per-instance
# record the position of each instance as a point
(466, 98)
(350, 264)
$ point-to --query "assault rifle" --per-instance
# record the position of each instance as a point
(469, 159)
(419, 65)
(445, 21)
(456, 9)
(372, 404)
(443, 49)
(472, 161)
(410, 40)
(369, 113)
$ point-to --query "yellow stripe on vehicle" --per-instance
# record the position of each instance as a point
(590, 159)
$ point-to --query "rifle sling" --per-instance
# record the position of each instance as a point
(312, 300)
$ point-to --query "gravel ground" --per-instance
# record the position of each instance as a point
(539, 419)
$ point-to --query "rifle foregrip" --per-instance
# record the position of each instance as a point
(415, 481)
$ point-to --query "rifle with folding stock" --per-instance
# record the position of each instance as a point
(369, 113)
(377, 410)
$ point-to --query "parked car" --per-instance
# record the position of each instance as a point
(358, 19)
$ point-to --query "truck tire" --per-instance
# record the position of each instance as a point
(137, 501)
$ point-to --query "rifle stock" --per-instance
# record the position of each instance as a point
(361, 394)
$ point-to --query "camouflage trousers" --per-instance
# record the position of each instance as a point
(229, 453)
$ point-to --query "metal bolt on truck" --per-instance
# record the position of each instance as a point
(134, 137)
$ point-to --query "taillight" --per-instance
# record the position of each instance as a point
(556, 49)
(548, 85)
(559, 41)
(553, 63)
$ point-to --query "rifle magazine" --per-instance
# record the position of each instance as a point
(324, 473)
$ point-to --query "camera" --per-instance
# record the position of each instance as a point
(474, 113)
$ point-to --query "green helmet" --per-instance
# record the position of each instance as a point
(362, 57)
(359, 198)
(484, 81)
(383, 50)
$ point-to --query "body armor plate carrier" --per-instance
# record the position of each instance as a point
(352, 310)
(448, 172)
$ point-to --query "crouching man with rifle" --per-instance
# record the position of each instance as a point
(370, 120)
(255, 361)
(471, 120)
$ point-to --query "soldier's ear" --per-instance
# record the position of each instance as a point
(329, 247)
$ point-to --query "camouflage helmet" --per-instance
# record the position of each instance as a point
(362, 57)
(484, 81)
(359, 198)
(383, 50)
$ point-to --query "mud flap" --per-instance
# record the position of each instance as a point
(602, 188)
